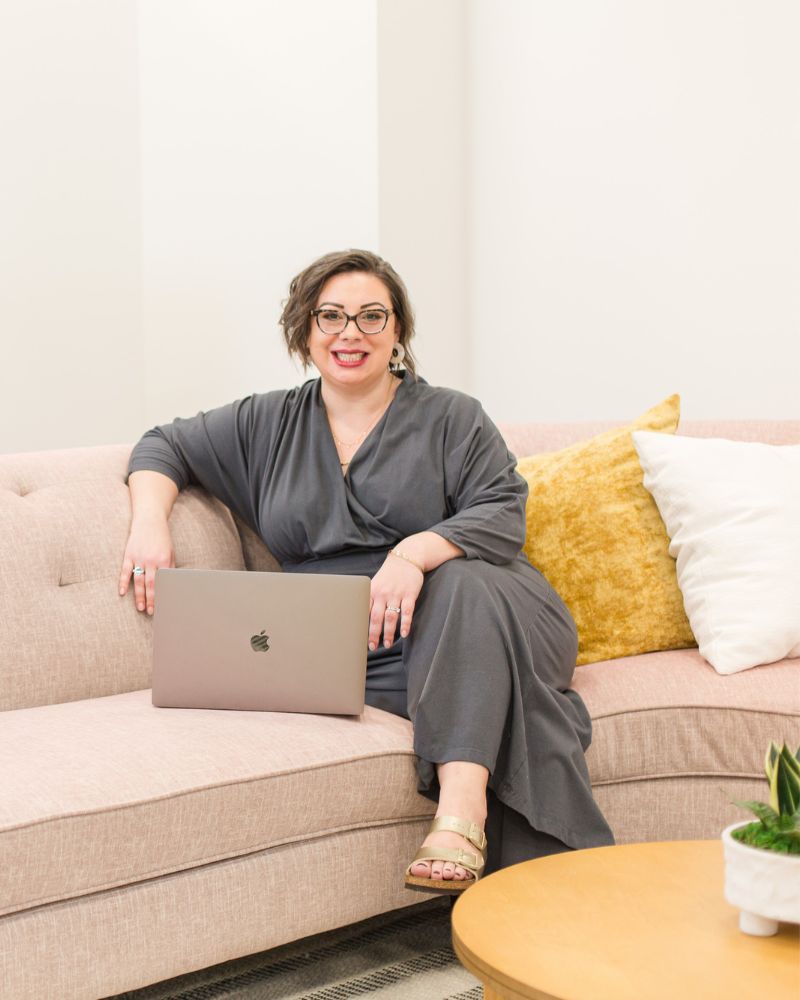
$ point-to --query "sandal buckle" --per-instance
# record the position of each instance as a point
(477, 836)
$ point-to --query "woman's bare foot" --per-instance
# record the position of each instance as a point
(463, 794)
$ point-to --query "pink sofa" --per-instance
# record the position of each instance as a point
(137, 843)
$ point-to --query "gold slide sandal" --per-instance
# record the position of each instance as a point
(474, 863)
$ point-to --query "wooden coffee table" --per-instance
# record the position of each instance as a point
(632, 922)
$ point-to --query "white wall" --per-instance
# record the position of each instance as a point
(166, 167)
(423, 174)
(259, 153)
(634, 209)
(594, 203)
(70, 244)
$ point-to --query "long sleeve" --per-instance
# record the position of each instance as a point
(211, 449)
(483, 489)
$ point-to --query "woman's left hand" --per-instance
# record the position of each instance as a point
(396, 585)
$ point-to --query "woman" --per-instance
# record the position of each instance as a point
(369, 470)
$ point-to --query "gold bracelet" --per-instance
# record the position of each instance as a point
(400, 555)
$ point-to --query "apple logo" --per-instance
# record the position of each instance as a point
(260, 642)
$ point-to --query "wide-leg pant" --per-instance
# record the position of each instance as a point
(484, 676)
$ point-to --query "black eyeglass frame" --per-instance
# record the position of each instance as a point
(367, 333)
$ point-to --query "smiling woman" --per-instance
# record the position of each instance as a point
(310, 290)
(352, 335)
(421, 494)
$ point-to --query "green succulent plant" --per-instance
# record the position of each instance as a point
(778, 828)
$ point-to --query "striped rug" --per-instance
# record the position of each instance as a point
(404, 955)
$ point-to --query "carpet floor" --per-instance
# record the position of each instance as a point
(403, 955)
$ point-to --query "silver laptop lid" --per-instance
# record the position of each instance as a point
(274, 642)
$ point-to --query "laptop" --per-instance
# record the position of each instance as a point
(265, 642)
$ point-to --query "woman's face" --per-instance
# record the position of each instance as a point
(353, 358)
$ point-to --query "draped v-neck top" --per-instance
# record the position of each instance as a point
(434, 461)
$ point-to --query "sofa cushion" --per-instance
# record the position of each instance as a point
(532, 438)
(670, 714)
(732, 512)
(109, 791)
(65, 633)
(595, 532)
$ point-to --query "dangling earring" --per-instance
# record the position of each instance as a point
(398, 353)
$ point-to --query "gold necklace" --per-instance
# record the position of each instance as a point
(360, 438)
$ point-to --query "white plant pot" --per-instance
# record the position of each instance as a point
(765, 885)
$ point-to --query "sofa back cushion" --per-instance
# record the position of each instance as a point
(65, 633)
(531, 438)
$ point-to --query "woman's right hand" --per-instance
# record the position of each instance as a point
(149, 546)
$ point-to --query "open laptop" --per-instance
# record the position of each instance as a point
(269, 642)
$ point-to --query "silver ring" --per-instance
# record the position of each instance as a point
(390, 608)
(137, 571)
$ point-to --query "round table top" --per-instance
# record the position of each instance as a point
(629, 921)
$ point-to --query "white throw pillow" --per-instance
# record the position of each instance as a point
(732, 512)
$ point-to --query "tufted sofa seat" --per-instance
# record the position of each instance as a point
(137, 843)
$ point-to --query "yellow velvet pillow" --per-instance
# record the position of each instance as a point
(595, 533)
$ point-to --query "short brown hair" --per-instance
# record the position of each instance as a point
(305, 287)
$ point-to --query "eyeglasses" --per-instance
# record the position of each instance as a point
(331, 320)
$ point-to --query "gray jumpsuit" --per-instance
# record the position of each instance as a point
(484, 673)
